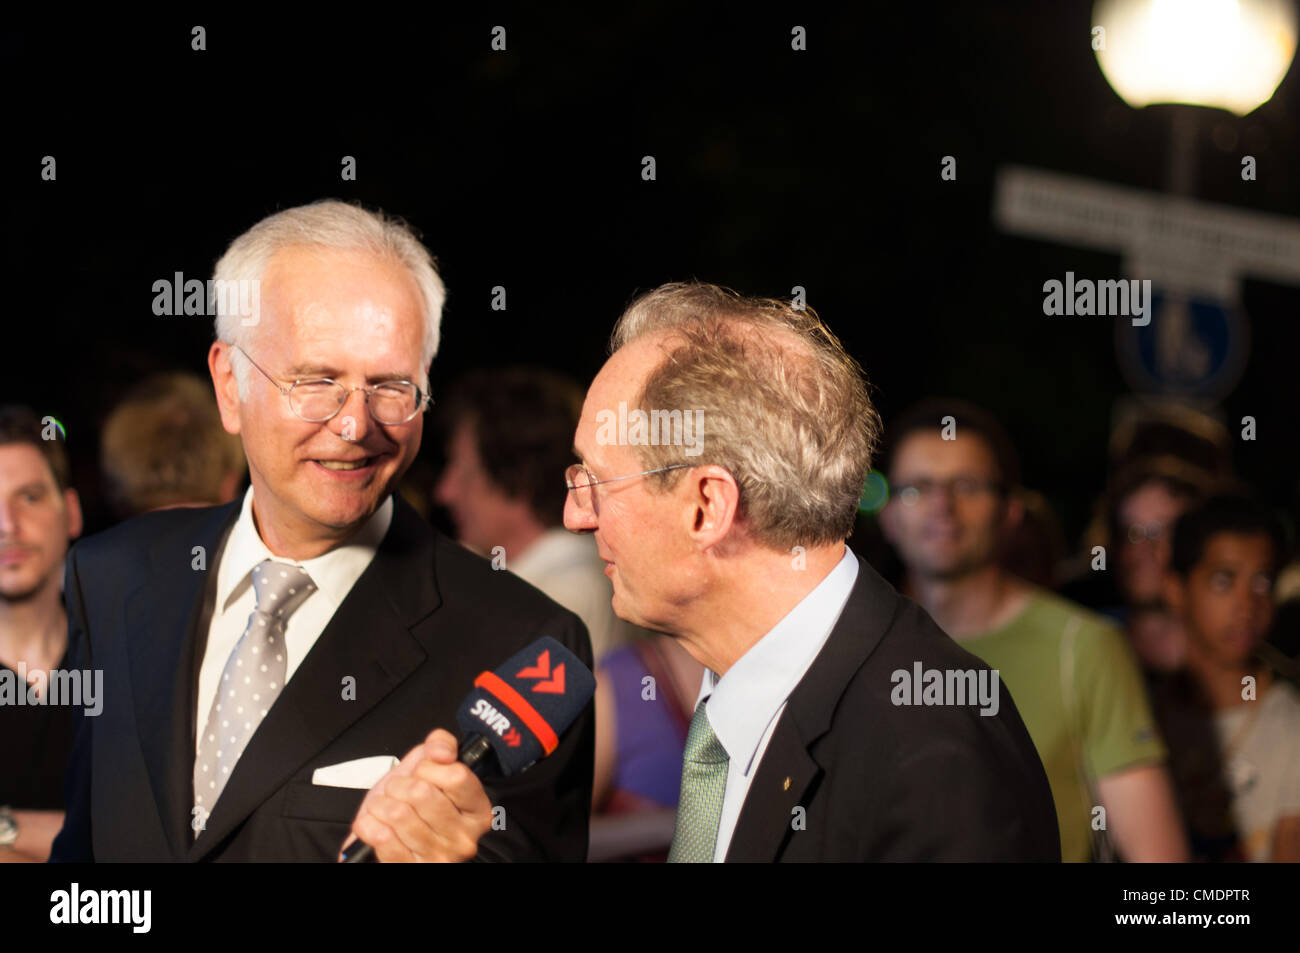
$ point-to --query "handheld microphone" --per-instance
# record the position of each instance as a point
(513, 717)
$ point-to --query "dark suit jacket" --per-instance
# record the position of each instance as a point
(421, 622)
(879, 781)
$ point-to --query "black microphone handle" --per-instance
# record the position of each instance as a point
(474, 754)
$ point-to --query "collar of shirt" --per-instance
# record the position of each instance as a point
(334, 572)
(744, 702)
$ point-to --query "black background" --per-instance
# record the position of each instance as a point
(775, 168)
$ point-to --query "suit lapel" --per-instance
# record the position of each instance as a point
(162, 621)
(369, 638)
(778, 787)
(788, 768)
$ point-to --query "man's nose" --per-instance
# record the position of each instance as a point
(1261, 610)
(8, 520)
(943, 498)
(352, 422)
(577, 519)
(1244, 602)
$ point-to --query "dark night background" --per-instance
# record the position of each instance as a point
(775, 168)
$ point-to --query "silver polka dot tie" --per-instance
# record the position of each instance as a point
(704, 785)
(252, 679)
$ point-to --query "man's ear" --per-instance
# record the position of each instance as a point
(1013, 513)
(713, 499)
(225, 385)
(72, 507)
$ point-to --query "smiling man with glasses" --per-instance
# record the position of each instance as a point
(267, 662)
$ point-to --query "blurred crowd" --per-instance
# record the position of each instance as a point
(1155, 667)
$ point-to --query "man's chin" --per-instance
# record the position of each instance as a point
(347, 513)
(945, 570)
(623, 610)
(19, 590)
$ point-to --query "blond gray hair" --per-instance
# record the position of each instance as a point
(785, 408)
(327, 224)
(163, 444)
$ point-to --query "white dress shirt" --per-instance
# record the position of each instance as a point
(745, 705)
(334, 574)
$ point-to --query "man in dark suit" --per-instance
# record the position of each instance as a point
(835, 721)
(266, 663)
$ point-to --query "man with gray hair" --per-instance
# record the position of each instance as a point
(268, 661)
(826, 727)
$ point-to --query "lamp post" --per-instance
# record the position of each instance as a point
(1226, 54)
(1185, 57)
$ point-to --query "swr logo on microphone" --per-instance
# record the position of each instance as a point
(551, 684)
(497, 721)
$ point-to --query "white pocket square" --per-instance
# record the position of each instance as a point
(361, 773)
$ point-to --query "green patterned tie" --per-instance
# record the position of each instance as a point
(704, 784)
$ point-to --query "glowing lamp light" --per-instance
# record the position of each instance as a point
(1226, 53)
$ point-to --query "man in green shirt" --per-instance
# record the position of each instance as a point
(1072, 675)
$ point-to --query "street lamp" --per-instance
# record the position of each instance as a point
(1186, 55)
(1231, 54)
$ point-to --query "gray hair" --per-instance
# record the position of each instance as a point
(784, 407)
(328, 224)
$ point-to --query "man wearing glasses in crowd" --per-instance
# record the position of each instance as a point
(267, 662)
(1076, 683)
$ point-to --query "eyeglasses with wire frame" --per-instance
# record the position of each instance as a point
(318, 399)
(579, 481)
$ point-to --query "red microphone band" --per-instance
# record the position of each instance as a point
(519, 706)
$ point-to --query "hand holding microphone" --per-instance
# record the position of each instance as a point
(432, 806)
(429, 808)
